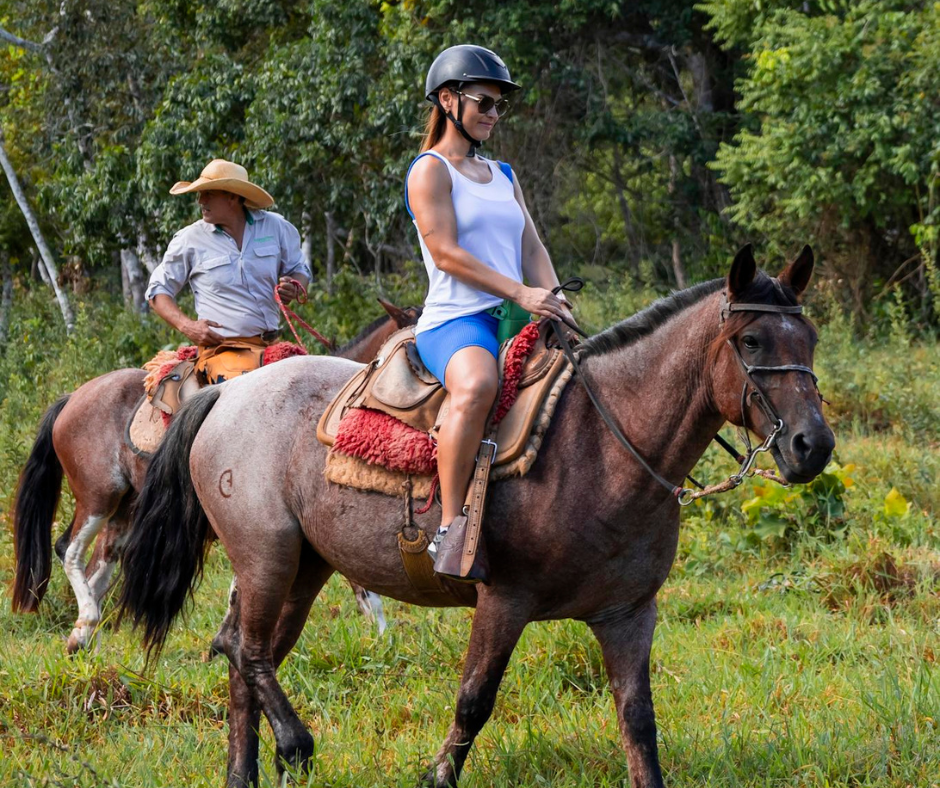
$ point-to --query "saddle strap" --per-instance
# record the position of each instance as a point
(476, 500)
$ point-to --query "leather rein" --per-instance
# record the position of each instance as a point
(686, 495)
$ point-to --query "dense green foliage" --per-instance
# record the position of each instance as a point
(651, 137)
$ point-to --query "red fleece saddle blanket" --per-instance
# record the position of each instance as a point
(169, 381)
(374, 450)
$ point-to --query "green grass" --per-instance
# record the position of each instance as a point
(794, 648)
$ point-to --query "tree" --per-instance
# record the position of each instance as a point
(840, 145)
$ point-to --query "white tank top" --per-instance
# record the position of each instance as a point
(489, 226)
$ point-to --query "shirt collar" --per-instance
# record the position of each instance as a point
(250, 219)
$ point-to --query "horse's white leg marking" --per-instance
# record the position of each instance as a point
(375, 602)
(88, 611)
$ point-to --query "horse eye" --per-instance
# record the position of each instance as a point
(750, 342)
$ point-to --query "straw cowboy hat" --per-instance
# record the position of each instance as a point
(226, 176)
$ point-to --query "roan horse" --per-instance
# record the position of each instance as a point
(561, 544)
(83, 434)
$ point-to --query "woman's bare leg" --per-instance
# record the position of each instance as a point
(472, 380)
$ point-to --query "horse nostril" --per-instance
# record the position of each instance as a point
(801, 446)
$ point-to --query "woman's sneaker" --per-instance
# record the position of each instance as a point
(435, 544)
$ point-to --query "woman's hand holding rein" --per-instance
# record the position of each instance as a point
(541, 302)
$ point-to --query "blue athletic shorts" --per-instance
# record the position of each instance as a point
(437, 345)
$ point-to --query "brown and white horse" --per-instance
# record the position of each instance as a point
(587, 534)
(83, 435)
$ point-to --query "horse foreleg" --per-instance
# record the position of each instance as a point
(89, 613)
(497, 625)
(626, 644)
(259, 689)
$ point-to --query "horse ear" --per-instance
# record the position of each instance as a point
(798, 273)
(400, 316)
(743, 271)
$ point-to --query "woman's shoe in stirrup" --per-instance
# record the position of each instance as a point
(450, 554)
(435, 544)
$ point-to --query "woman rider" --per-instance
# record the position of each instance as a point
(478, 243)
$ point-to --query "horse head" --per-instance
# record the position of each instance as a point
(762, 365)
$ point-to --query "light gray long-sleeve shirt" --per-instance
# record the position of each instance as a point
(233, 287)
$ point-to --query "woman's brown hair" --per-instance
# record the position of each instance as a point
(433, 128)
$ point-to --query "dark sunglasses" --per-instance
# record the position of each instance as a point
(486, 103)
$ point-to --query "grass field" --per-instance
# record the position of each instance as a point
(797, 646)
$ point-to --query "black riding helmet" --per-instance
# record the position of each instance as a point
(462, 64)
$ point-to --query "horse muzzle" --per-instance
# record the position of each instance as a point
(802, 456)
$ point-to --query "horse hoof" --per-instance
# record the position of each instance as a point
(74, 644)
(297, 756)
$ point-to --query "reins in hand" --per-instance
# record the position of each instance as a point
(289, 313)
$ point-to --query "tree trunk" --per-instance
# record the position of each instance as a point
(63, 299)
(38, 270)
(145, 254)
(330, 250)
(136, 281)
(306, 239)
(125, 281)
(6, 296)
(677, 267)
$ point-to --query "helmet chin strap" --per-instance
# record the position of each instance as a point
(475, 144)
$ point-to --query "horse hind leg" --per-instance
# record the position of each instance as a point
(222, 642)
(256, 647)
(497, 626)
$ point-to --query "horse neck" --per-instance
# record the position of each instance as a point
(365, 348)
(659, 390)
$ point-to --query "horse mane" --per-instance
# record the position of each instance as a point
(644, 323)
(764, 289)
(368, 330)
(361, 335)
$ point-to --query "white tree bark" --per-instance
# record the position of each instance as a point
(145, 254)
(136, 281)
(63, 299)
(306, 242)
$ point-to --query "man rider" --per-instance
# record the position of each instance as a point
(232, 258)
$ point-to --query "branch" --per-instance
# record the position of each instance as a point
(21, 42)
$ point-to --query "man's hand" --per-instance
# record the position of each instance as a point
(200, 332)
(288, 290)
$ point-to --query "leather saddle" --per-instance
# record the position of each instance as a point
(148, 423)
(397, 383)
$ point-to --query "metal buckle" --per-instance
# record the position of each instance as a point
(486, 442)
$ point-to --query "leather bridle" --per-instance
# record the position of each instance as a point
(751, 391)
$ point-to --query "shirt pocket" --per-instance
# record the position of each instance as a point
(216, 271)
(264, 263)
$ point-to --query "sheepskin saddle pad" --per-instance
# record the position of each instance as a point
(382, 426)
(171, 379)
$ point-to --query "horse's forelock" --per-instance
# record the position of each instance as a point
(763, 290)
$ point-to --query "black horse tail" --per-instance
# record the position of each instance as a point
(37, 498)
(164, 556)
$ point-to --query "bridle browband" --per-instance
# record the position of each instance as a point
(686, 495)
